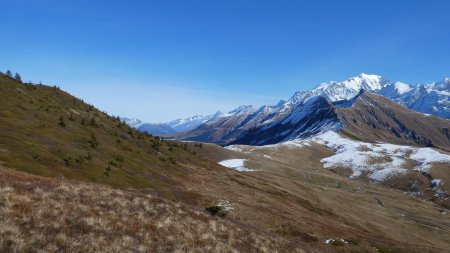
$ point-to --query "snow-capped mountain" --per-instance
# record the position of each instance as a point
(367, 117)
(134, 123)
(186, 124)
(337, 91)
(425, 98)
(223, 127)
(233, 125)
(310, 112)
(433, 99)
(314, 116)
(174, 126)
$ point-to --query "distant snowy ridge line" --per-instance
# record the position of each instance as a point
(430, 99)
(174, 126)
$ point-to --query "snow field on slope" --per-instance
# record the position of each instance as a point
(379, 160)
(236, 164)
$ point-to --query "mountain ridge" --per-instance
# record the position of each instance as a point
(340, 94)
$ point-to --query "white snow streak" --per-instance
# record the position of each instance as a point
(236, 164)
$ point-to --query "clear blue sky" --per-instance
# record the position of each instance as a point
(160, 60)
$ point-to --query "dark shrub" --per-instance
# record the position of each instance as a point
(216, 211)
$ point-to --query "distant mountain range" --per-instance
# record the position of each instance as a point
(330, 106)
(174, 126)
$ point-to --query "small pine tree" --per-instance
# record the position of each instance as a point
(8, 73)
(18, 77)
(61, 121)
(93, 141)
(107, 170)
(93, 122)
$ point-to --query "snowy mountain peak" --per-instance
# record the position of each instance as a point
(338, 91)
(443, 85)
(217, 114)
(135, 123)
(363, 81)
(243, 109)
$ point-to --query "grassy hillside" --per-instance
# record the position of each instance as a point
(47, 132)
(49, 215)
(375, 118)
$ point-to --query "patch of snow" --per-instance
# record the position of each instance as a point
(241, 149)
(236, 164)
(435, 182)
(226, 205)
(235, 148)
(379, 160)
(426, 156)
(386, 170)
(329, 241)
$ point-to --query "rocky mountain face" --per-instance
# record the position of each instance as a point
(223, 128)
(314, 116)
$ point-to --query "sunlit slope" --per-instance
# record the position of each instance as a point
(48, 132)
(51, 215)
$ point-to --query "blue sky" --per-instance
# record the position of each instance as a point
(160, 60)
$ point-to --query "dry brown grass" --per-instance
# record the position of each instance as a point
(293, 195)
(50, 215)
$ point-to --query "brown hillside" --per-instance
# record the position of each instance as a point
(48, 215)
(48, 132)
(375, 118)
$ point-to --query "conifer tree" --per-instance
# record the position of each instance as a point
(18, 77)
